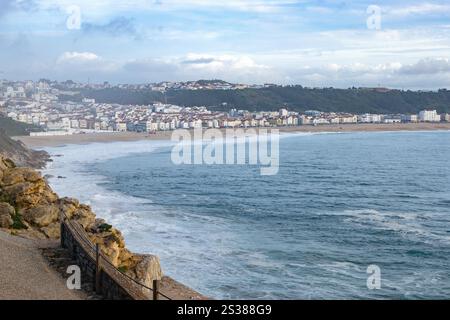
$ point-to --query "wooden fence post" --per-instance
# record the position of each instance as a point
(98, 270)
(62, 235)
(155, 289)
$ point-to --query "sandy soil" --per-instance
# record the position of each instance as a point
(26, 275)
(40, 142)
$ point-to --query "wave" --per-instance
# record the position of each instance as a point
(415, 226)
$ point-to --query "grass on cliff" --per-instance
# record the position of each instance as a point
(122, 269)
(105, 227)
(18, 222)
(13, 128)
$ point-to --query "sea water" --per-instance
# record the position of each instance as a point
(340, 203)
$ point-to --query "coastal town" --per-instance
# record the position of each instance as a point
(39, 104)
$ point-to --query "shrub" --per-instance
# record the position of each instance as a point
(105, 227)
(18, 222)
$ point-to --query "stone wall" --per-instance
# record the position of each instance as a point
(109, 288)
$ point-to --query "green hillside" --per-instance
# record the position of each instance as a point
(13, 128)
(296, 98)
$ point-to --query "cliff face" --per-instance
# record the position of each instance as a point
(29, 207)
(20, 154)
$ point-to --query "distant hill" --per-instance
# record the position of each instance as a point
(13, 128)
(296, 98)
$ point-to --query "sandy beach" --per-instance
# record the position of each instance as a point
(54, 141)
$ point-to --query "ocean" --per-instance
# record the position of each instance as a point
(340, 203)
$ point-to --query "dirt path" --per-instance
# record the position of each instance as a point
(26, 275)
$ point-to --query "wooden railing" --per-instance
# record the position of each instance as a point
(102, 266)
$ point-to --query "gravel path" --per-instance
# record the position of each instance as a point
(26, 275)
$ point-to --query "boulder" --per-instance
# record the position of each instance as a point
(30, 194)
(6, 209)
(3, 166)
(6, 222)
(14, 191)
(148, 269)
(6, 163)
(68, 206)
(18, 175)
(31, 175)
(42, 216)
(52, 231)
(11, 177)
(110, 248)
(84, 217)
(6, 214)
(111, 242)
(126, 259)
(98, 226)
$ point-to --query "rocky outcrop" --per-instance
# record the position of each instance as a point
(20, 154)
(6, 214)
(28, 206)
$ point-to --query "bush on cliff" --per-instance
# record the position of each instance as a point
(18, 223)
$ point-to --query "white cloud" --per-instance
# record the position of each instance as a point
(426, 8)
(78, 57)
(240, 5)
(84, 62)
(217, 63)
(351, 70)
(427, 66)
(108, 6)
(189, 67)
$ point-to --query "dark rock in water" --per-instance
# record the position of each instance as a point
(61, 177)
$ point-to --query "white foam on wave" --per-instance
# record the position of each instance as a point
(69, 164)
(415, 226)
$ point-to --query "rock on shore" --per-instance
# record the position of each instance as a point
(29, 207)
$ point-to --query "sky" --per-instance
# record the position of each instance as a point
(324, 43)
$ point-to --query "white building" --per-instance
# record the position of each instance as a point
(392, 120)
(304, 120)
(89, 101)
(319, 121)
(370, 118)
(283, 113)
(348, 119)
(429, 116)
(66, 122)
(75, 124)
(55, 126)
(121, 126)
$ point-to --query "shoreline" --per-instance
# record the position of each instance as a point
(81, 139)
